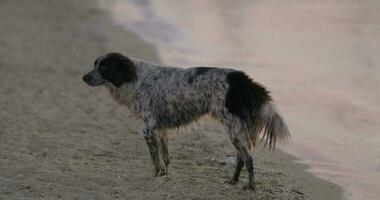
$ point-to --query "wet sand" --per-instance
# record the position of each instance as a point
(319, 59)
(60, 139)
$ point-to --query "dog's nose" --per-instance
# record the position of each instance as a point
(85, 78)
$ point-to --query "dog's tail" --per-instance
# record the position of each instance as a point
(252, 104)
(270, 124)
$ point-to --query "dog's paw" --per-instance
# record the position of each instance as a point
(162, 173)
(232, 182)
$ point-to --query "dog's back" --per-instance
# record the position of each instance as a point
(179, 96)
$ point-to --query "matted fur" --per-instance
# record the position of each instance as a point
(168, 98)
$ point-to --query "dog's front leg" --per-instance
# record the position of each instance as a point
(164, 149)
(154, 149)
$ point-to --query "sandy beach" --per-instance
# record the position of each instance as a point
(60, 139)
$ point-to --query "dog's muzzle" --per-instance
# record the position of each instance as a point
(93, 78)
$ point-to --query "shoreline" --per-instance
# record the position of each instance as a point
(71, 141)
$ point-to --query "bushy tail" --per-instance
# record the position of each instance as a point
(252, 104)
(270, 125)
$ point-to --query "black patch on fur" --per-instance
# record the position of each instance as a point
(117, 69)
(190, 80)
(244, 96)
(202, 70)
(197, 72)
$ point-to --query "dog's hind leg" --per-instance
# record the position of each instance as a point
(241, 146)
(164, 149)
(239, 166)
(153, 142)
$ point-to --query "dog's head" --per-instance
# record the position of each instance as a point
(114, 68)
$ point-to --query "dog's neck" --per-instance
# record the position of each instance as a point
(122, 95)
(125, 94)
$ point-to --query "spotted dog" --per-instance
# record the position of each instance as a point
(167, 98)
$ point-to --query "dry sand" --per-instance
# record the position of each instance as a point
(60, 139)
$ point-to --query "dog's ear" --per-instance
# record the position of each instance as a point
(128, 69)
(123, 70)
(116, 78)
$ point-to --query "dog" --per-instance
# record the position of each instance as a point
(166, 98)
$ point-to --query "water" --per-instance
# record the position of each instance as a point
(320, 59)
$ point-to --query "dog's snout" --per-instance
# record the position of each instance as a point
(88, 79)
(93, 78)
(85, 78)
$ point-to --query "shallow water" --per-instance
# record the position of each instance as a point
(320, 59)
